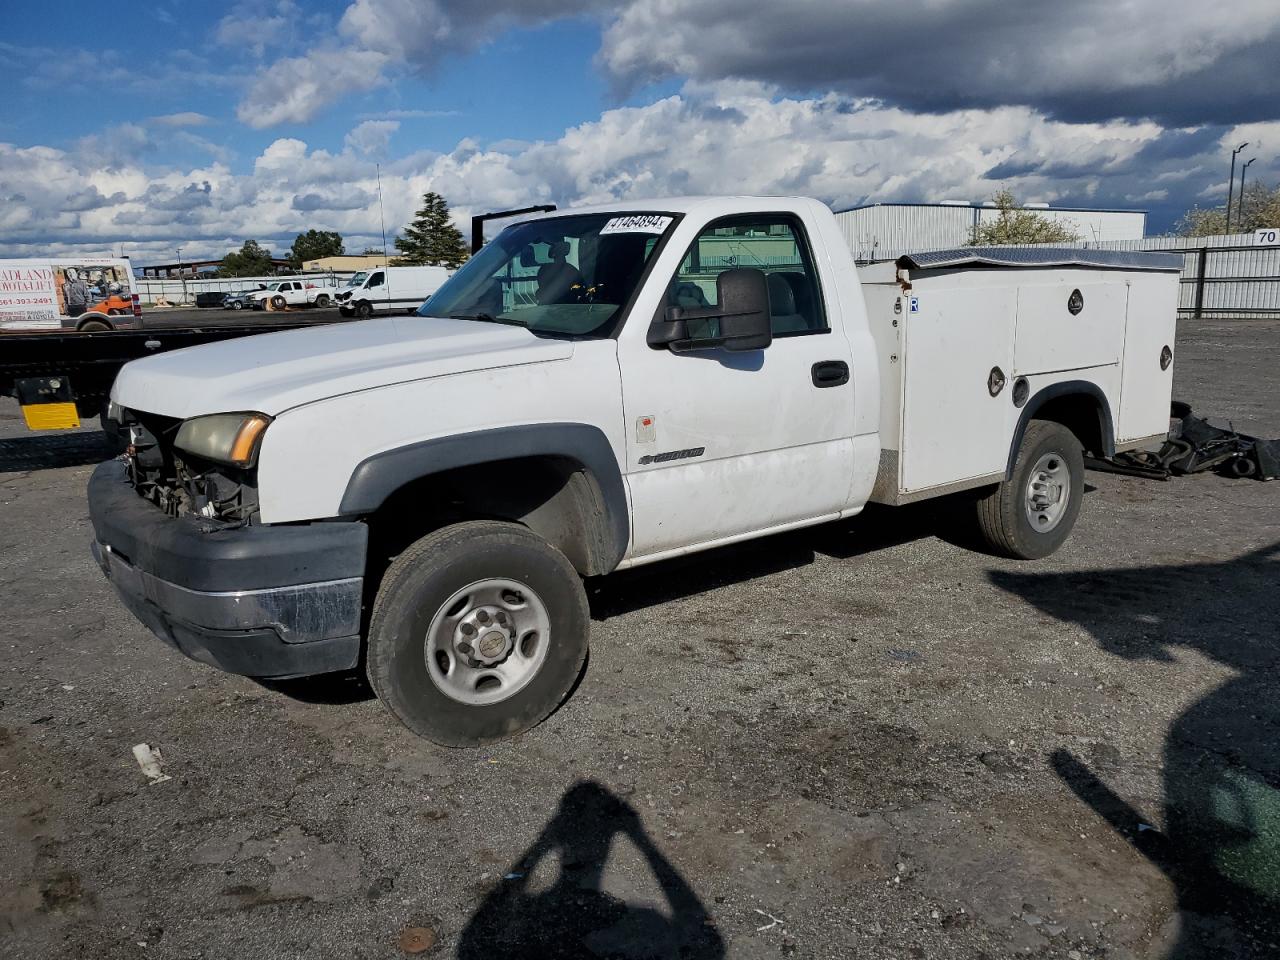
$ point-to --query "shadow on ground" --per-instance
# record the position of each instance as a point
(552, 902)
(1220, 843)
(46, 451)
(876, 528)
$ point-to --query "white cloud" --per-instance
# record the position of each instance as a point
(1179, 60)
(1088, 59)
(250, 27)
(188, 118)
(372, 136)
(409, 114)
(721, 137)
(294, 90)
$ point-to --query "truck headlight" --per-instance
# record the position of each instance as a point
(230, 438)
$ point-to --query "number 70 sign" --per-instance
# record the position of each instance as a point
(1267, 236)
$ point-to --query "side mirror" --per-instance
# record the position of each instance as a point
(741, 321)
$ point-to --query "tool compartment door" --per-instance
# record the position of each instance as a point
(1145, 389)
(952, 428)
(1053, 335)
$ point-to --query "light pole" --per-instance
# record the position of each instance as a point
(1231, 182)
(1243, 170)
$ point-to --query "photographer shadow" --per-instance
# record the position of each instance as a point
(574, 917)
(1220, 843)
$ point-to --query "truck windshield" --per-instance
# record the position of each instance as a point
(562, 275)
(356, 280)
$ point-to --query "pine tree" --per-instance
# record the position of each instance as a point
(431, 239)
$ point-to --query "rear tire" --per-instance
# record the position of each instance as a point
(1031, 514)
(94, 326)
(322, 301)
(237, 305)
(530, 609)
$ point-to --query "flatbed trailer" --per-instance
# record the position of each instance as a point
(59, 376)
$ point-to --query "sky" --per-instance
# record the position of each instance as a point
(165, 126)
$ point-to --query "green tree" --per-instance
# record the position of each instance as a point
(370, 252)
(313, 245)
(1261, 209)
(1015, 225)
(431, 239)
(251, 260)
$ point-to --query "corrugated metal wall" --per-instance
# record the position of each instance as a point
(1225, 276)
(884, 231)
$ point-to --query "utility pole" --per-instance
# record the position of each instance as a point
(1231, 182)
(1244, 169)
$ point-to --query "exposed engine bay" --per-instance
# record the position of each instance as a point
(180, 484)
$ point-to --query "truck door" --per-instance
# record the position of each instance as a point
(376, 287)
(723, 443)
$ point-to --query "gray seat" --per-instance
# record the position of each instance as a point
(784, 316)
(802, 293)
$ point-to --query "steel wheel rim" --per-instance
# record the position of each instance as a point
(487, 641)
(1048, 492)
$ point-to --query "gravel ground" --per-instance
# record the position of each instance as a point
(864, 740)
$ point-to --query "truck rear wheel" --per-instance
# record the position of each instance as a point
(322, 301)
(1031, 514)
(478, 633)
(94, 326)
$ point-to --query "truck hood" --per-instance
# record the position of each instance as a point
(272, 372)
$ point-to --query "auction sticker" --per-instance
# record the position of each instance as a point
(639, 223)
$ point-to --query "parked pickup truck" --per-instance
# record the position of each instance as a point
(299, 292)
(594, 390)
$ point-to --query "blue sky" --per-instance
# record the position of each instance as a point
(153, 125)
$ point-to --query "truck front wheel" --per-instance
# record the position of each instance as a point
(479, 631)
(1031, 514)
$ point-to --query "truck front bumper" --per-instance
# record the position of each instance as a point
(260, 601)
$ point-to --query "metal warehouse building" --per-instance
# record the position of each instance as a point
(881, 230)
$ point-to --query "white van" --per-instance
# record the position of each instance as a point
(391, 290)
(84, 293)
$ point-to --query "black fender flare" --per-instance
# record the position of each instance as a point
(1067, 388)
(376, 477)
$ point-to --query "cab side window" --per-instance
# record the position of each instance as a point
(377, 279)
(773, 243)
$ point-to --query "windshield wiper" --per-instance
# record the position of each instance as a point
(486, 318)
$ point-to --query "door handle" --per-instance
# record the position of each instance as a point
(830, 373)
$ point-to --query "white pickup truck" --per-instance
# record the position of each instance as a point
(594, 390)
(295, 292)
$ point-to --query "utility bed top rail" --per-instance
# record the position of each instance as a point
(1041, 257)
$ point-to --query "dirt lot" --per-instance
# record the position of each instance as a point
(865, 740)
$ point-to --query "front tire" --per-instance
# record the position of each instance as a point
(364, 310)
(479, 631)
(1030, 515)
(278, 303)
